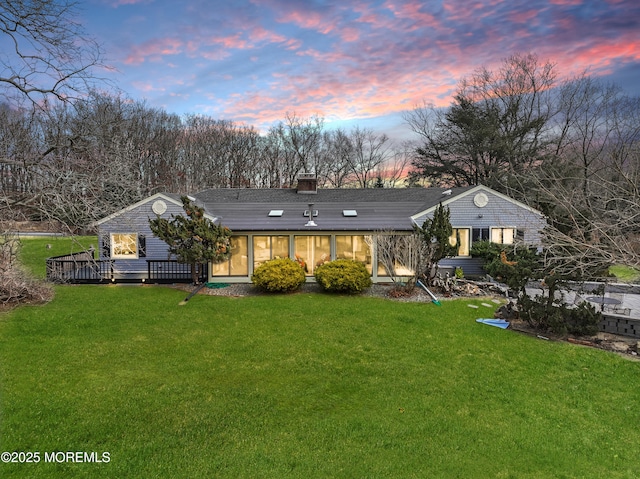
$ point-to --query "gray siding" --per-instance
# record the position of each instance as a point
(471, 267)
(498, 213)
(136, 220)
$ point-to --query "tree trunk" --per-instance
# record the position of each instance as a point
(194, 273)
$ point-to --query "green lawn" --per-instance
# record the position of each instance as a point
(35, 250)
(625, 274)
(300, 385)
(304, 385)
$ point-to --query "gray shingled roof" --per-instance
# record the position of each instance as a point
(377, 208)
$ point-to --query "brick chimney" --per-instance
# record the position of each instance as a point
(307, 184)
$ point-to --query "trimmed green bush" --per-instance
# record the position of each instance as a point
(343, 276)
(280, 275)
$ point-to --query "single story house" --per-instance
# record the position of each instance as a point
(316, 225)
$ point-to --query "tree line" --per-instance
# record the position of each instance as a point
(80, 161)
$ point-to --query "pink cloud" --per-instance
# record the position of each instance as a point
(413, 11)
(325, 20)
(350, 34)
(233, 41)
(147, 87)
(355, 94)
(525, 16)
(245, 40)
(365, 59)
(260, 34)
(327, 58)
(597, 55)
(367, 15)
(199, 46)
(566, 2)
(153, 50)
(308, 20)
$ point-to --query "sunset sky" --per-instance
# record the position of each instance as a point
(252, 61)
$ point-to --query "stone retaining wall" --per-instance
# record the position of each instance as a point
(595, 287)
(623, 326)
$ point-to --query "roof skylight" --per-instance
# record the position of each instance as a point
(276, 213)
(349, 213)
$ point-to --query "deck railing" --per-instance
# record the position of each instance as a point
(77, 268)
(82, 268)
(76, 271)
(170, 271)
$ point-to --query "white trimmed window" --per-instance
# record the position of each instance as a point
(266, 248)
(312, 251)
(355, 247)
(237, 264)
(124, 245)
(503, 235)
(460, 237)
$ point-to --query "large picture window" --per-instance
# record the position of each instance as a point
(354, 247)
(237, 264)
(269, 247)
(124, 245)
(312, 251)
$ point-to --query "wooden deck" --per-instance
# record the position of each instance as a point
(82, 268)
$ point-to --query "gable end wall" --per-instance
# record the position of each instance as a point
(498, 213)
(136, 220)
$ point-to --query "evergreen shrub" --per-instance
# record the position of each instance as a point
(343, 276)
(280, 275)
(545, 314)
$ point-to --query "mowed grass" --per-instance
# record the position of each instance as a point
(625, 274)
(35, 250)
(304, 386)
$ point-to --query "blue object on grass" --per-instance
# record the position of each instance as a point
(498, 323)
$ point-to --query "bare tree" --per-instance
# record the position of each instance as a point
(587, 115)
(302, 137)
(268, 169)
(370, 151)
(282, 160)
(20, 144)
(220, 154)
(202, 166)
(393, 172)
(402, 255)
(238, 151)
(571, 151)
(50, 56)
(78, 162)
(592, 195)
(339, 150)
